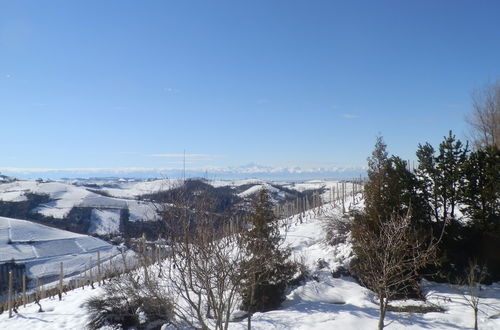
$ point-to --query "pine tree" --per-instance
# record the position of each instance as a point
(404, 193)
(481, 193)
(449, 164)
(428, 180)
(481, 203)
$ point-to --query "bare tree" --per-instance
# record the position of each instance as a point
(203, 262)
(485, 117)
(472, 281)
(390, 256)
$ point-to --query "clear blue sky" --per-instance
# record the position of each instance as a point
(116, 84)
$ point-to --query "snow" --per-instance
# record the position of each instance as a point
(104, 222)
(130, 190)
(341, 303)
(63, 196)
(43, 248)
(256, 188)
(321, 302)
(67, 314)
(235, 183)
(105, 212)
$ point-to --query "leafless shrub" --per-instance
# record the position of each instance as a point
(130, 301)
(472, 281)
(390, 256)
(485, 117)
(203, 264)
(336, 229)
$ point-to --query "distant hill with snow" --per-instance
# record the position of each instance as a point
(41, 249)
(105, 207)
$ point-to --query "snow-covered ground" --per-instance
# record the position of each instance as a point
(322, 302)
(43, 248)
(64, 196)
(107, 198)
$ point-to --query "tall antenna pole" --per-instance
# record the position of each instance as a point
(184, 167)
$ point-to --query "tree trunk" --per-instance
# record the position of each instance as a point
(381, 318)
(252, 297)
(475, 318)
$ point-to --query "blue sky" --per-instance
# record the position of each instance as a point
(309, 84)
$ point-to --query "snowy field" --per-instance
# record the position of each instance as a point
(323, 302)
(107, 198)
(43, 248)
(64, 196)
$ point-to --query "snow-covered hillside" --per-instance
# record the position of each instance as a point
(106, 199)
(60, 198)
(41, 249)
(321, 302)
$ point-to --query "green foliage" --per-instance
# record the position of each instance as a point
(391, 187)
(455, 178)
(428, 180)
(440, 177)
(391, 194)
(481, 203)
(481, 194)
(266, 271)
(449, 164)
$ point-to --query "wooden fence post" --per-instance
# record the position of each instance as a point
(9, 297)
(99, 274)
(61, 276)
(24, 290)
(90, 274)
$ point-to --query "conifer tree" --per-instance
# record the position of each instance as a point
(449, 163)
(481, 203)
(376, 190)
(391, 187)
(440, 177)
(266, 271)
(481, 193)
(428, 179)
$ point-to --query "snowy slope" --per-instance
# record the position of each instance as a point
(131, 190)
(323, 302)
(340, 303)
(63, 197)
(43, 248)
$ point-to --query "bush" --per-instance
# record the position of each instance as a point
(336, 229)
(130, 302)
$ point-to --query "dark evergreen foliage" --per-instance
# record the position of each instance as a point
(266, 272)
(481, 203)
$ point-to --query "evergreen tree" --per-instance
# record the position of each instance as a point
(404, 192)
(389, 244)
(391, 187)
(428, 180)
(266, 272)
(449, 164)
(377, 203)
(481, 193)
(481, 203)
(440, 178)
